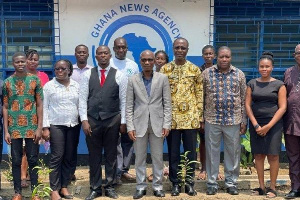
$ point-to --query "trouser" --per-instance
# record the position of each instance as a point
(63, 145)
(32, 151)
(104, 135)
(292, 145)
(189, 139)
(156, 147)
(74, 157)
(232, 151)
(125, 152)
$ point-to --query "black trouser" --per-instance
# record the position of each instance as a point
(74, 158)
(32, 152)
(63, 145)
(105, 134)
(189, 139)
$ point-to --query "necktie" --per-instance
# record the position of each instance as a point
(102, 77)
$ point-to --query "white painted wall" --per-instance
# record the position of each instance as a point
(78, 17)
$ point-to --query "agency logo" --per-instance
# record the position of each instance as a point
(144, 25)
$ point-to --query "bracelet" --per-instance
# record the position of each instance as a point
(256, 126)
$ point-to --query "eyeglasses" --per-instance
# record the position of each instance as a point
(120, 47)
(60, 68)
(180, 48)
(145, 60)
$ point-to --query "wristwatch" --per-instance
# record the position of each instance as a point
(256, 126)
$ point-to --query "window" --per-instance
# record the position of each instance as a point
(27, 25)
(253, 27)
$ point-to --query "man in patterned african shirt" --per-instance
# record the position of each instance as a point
(22, 117)
(187, 107)
(225, 117)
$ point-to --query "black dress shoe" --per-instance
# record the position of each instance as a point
(111, 193)
(189, 189)
(232, 191)
(93, 195)
(139, 194)
(159, 193)
(211, 191)
(292, 194)
(176, 190)
(69, 196)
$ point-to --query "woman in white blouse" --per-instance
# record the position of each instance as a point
(60, 125)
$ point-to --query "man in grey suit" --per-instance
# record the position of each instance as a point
(148, 117)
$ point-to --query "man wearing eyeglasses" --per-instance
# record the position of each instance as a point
(148, 117)
(291, 124)
(187, 113)
(125, 148)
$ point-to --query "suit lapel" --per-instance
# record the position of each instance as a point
(154, 83)
(140, 82)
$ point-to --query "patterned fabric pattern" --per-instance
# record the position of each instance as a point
(20, 94)
(224, 96)
(187, 94)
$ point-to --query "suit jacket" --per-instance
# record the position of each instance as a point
(139, 106)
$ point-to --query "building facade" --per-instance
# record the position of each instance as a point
(55, 27)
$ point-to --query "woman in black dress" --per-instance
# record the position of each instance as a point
(265, 105)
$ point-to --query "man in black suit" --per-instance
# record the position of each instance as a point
(102, 112)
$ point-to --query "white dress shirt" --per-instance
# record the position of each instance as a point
(121, 80)
(60, 103)
(77, 72)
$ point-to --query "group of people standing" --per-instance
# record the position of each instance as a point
(122, 110)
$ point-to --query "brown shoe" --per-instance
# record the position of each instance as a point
(129, 177)
(17, 197)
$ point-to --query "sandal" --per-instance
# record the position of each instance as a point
(220, 177)
(258, 191)
(271, 193)
(150, 178)
(24, 183)
(202, 175)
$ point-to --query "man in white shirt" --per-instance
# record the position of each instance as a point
(125, 145)
(81, 55)
(102, 98)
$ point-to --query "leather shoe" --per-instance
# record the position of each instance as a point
(118, 181)
(129, 177)
(17, 197)
(159, 193)
(111, 193)
(93, 195)
(68, 196)
(211, 191)
(292, 194)
(139, 194)
(176, 189)
(232, 191)
(189, 189)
